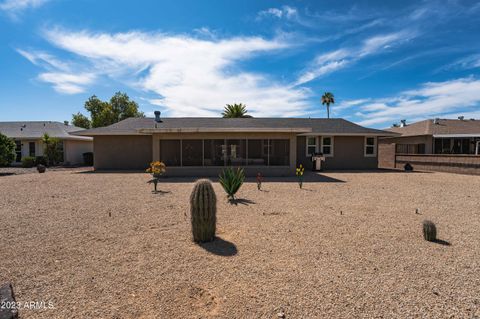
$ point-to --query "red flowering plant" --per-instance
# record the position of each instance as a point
(259, 180)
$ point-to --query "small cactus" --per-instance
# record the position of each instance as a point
(429, 230)
(203, 211)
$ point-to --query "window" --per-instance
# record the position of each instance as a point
(214, 152)
(18, 151)
(170, 152)
(280, 153)
(327, 146)
(311, 145)
(421, 149)
(236, 152)
(257, 152)
(370, 147)
(31, 149)
(410, 148)
(192, 152)
(443, 146)
(221, 152)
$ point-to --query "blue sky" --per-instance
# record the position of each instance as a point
(384, 60)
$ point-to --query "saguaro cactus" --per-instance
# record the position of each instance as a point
(429, 230)
(203, 211)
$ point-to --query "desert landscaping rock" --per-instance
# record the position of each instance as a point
(294, 252)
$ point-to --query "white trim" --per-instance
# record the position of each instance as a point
(307, 154)
(332, 143)
(375, 143)
(386, 134)
(456, 135)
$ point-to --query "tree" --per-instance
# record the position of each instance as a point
(235, 111)
(123, 108)
(81, 120)
(103, 113)
(52, 149)
(7, 150)
(327, 99)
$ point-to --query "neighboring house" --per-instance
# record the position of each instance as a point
(438, 136)
(202, 146)
(434, 145)
(28, 138)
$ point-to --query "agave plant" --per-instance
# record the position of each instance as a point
(231, 181)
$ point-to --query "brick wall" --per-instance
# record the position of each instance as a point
(386, 155)
(464, 164)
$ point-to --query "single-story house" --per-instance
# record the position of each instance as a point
(437, 136)
(203, 146)
(28, 138)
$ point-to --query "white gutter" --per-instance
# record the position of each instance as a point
(456, 135)
(348, 134)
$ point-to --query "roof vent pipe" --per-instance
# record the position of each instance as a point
(157, 116)
(404, 123)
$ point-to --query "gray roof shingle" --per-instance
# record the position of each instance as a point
(36, 129)
(313, 125)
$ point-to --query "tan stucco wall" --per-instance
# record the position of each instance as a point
(73, 151)
(348, 153)
(126, 152)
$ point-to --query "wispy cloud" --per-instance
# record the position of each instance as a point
(68, 83)
(286, 12)
(469, 62)
(43, 59)
(62, 75)
(189, 76)
(432, 99)
(14, 7)
(332, 61)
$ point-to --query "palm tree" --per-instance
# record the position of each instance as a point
(328, 98)
(235, 110)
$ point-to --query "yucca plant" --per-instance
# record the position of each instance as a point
(429, 230)
(231, 181)
(203, 211)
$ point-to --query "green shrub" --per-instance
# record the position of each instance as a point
(52, 152)
(429, 230)
(41, 160)
(7, 150)
(203, 211)
(28, 161)
(231, 181)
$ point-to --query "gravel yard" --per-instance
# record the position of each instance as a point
(348, 245)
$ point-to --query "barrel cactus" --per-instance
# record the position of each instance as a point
(429, 230)
(203, 211)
